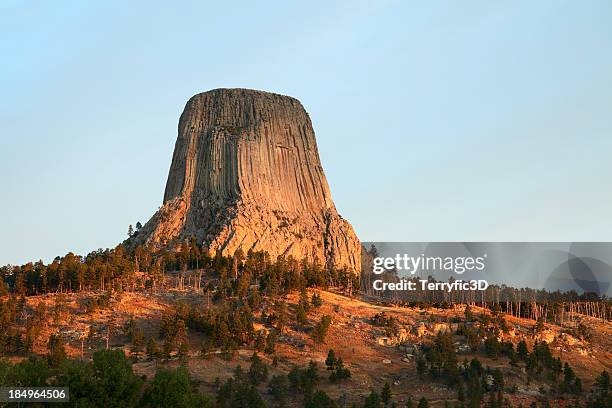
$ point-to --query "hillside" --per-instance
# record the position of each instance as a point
(368, 351)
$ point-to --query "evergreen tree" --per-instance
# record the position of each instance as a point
(316, 301)
(137, 336)
(57, 353)
(303, 301)
(601, 389)
(373, 400)
(278, 387)
(421, 366)
(577, 388)
(167, 347)
(280, 315)
(498, 380)
(301, 317)
(238, 392)
(304, 380)
(319, 332)
(339, 371)
(116, 385)
(602, 382)
(513, 358)
(152, 349)
(173, 388)
(468, 313)
(460, 392)
(271, 342)
(183, 352)
(330, 361)
(522, 351)
(320, 400)
(385, 394)
(258, 372)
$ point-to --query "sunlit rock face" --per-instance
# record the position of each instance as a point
(246, 174)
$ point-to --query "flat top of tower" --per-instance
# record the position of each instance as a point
(245, 92)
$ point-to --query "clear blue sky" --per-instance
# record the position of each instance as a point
(436, 121)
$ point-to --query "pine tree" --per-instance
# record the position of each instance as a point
(167, 347)
(301, 317)
(173, 388)
(137, 338)
(320, 400)
(278, 387)
(385, 394)
(280, 315)
(183, 352)
(468, 313)
(421, 367)
(498, 380)
(568, 374)
(152, 348)
(319, 333)
(603, 382)
(304, 300)
(330, 361)
(316, 301)
(57, 353)
(522, 351)
(513, 358)
(577, 389)
(372, 401)
(271, 342)
(340, 372)
(460, 392)
(258, 372)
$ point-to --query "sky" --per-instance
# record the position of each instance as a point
(435, 121)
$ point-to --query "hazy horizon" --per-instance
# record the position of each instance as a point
(435, 122)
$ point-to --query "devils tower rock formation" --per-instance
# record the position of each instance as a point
(246, 174)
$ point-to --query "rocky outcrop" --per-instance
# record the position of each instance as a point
(246, 174)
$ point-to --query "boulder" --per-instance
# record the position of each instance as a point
(419, 329)
(439, 328)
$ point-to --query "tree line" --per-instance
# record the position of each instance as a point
(553, 306)
(147, 268)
